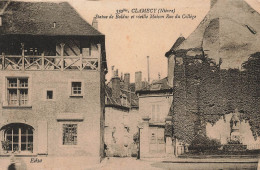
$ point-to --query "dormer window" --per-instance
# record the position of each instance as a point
(123, 100)
(156, 87)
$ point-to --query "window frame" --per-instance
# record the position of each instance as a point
(18, 90)
(60, 134)
(73, 142)
(76, 88)
(156, 113)
(123, 99)
(22, 136)
(71, 95)
(53, 94)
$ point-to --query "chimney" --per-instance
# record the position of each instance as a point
(116, 73)
(148, 69)
(126, 81)
(95, 23)
(212, 3)
(121, 77)
(115, 85)
(170, 75)
(138, 80)
(113, 72)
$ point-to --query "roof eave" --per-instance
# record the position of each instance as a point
(154, 91)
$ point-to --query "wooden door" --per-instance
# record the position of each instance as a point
(157, 143)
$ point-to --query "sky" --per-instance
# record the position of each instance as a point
(130, 41)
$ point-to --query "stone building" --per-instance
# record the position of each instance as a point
(216, 72)
(154, 103)
(121, 116)
(53, 67)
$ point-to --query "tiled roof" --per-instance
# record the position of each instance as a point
(38, 18)
(175, 45)
(157, 86)
(132, 99)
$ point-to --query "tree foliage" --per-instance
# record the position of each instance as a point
(204, 93)
(202, 143)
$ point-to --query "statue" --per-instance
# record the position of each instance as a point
(234, 126)
(234, 144)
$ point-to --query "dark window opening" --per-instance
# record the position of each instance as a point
(49, 94)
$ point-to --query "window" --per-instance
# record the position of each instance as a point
(156, 114)
(156, 87)
(123, 100)
(49, 95)
(69, 134)
(76, 89)
(17, 91)
(19, 137)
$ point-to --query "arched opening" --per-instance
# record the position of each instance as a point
(18, 137)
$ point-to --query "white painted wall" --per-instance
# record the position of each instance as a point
(150, 104)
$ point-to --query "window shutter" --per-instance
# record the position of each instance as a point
(42, 138)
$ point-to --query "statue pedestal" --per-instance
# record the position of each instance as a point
(234, 147)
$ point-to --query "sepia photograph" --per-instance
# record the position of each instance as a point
(129, 84)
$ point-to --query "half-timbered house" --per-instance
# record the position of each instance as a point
(52, 79)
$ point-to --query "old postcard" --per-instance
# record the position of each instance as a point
(128, 84)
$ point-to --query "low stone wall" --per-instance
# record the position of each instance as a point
(116, 150)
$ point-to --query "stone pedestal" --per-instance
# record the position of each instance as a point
(234, 147)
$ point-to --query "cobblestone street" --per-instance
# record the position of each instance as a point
(126, 164)
(176, 164)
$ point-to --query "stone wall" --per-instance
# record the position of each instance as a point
(204, 93)
(47, 116)
(120, 127)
